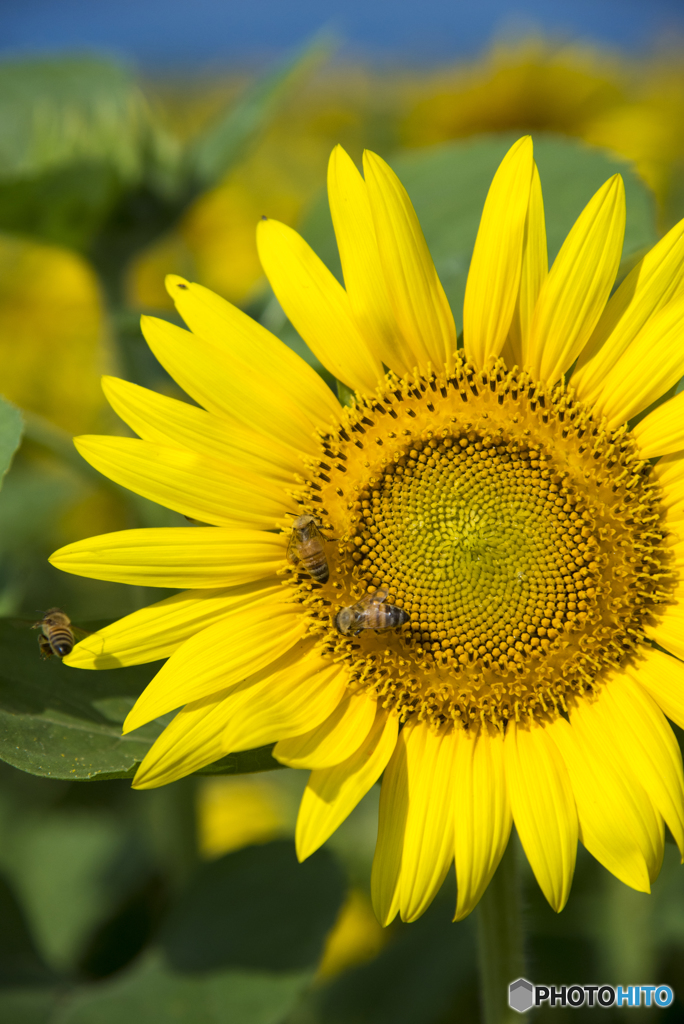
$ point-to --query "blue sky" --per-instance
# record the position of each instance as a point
(190, 34)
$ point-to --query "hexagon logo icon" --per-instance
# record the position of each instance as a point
(521, 995)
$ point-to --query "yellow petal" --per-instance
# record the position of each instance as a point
(285, 704)
(190, 742)
(175, 424)
(657, 278)
(611, 815)
(651, 365)
(495, 268)
(363, 275)
(225, 387)
(415, 292)
(334, 740)
(670, 472)
(177, 556)
(663, 677)
(253, 352)
(392, 817)
(572, 298)
(662, 431)
(155, 632)
(235, 647)
(645, 746)
(296, 687)
(535, 267)
(428, 847)
(482, 813)
(317, 306)
(194, 485)
(643, 820)
(333, 793)
(543, 808)
(668, 631)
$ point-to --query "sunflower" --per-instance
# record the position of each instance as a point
(506, 550)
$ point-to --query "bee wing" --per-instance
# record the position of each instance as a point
(377, 597)
(292, 555)
(80, 634)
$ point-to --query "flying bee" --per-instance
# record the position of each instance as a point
(306, 546)
(370, 612)
(57, 634)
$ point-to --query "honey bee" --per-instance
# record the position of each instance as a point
(306, 546)
(57, 634)
(370, 612)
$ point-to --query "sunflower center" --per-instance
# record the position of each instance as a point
(478, 540)
(521, 540)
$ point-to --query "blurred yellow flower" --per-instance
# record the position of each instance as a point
(578, 92)
(529, 86)
(356, 937)
(237, 812)
(52, 334)
(214, 243)
(650, 131)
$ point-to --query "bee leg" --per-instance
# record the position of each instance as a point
(45, 649)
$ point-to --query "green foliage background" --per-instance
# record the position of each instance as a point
(107, 913)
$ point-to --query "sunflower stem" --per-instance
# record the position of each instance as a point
(500, 940)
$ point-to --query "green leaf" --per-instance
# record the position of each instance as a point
(673, 204)
(417, 979)
(64, 205)
(60, 111)
(226, 141)
(152, 993)
(33, 496)
(28, 1006)
(11, 429)
(448, 185)
(257, 908)
(65, 723)
(20, 962)
(59, 862)
(59, 722)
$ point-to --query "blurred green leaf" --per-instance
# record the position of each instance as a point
(673, 206)
(77, 110)
(20, 962)
(11, 428)
(32, 498)
(152, 993)
(256, 908)
(65, 723)
(448, 185)
(64, 205)
(417, 979)
(28, 1006)
(58, 863)
(226, 141)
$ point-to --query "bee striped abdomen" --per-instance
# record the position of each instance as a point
(57, 635)
(61, 641)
